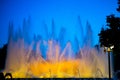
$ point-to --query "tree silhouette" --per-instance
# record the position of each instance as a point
(3, 53)
(111, 36)
(118, 9)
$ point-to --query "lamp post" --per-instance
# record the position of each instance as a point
(109, 49)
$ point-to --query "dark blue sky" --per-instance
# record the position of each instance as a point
(64, 13)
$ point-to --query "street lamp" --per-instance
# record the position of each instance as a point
(109, 49)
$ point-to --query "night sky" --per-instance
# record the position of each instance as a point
(63, 12)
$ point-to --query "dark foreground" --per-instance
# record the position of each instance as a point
(61, 79)
(8, 76)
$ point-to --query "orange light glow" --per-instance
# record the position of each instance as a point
(56, 65)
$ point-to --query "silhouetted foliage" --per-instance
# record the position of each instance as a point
(111, 36)
(3, 53)
(118, 9)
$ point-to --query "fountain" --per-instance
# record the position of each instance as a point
(49, 58)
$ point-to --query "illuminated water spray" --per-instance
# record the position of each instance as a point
(47, 58)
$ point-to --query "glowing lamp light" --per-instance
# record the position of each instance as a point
(111, 47)
(108, 49)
